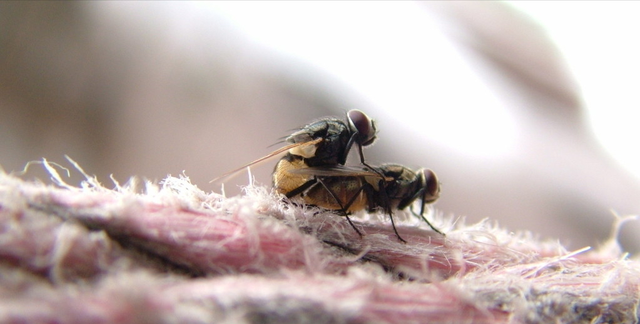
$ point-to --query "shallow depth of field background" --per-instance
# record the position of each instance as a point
(527, 112)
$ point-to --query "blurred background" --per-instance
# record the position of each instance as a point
(527, 111)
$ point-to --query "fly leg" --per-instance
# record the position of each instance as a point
(367, 165)
(384, 202)
(425, 219)
(395, 230)
(302, 188)
(343, 208)
(361, 154)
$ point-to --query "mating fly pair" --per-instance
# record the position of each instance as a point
(314, 169)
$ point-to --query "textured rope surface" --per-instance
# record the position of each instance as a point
(176, 254)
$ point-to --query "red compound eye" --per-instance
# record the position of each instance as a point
(363, 125)
(432, 186)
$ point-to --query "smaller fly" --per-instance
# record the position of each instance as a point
(325, 142)
(348, 190)
(338, 137)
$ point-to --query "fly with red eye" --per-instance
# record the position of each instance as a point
(337, 139)
(323, 143)
(348, 190)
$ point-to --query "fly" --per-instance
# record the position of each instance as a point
(325, 142)
(349, 190)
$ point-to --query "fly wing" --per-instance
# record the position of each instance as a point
(265, 158)
(337, 171)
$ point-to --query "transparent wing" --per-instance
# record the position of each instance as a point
(265, 158)
(337, 171)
